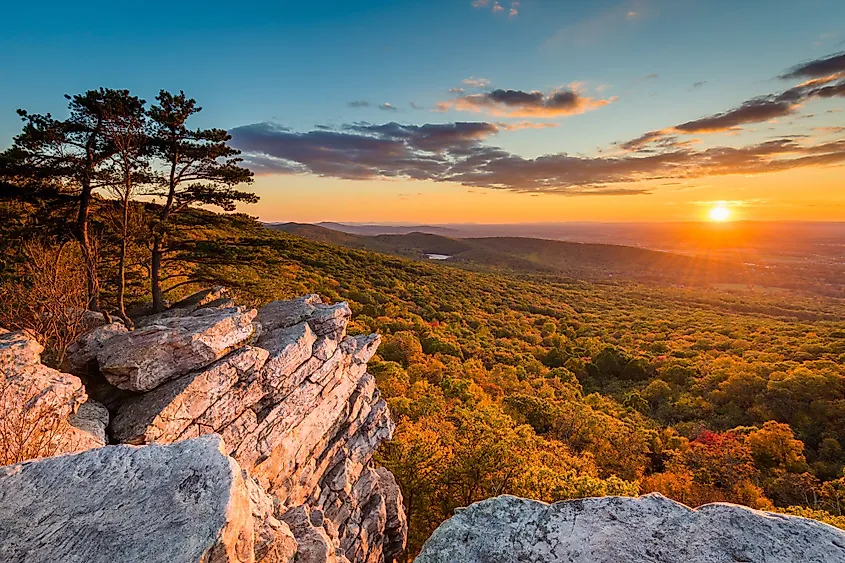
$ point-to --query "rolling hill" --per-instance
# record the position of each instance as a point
(593, 262)
(587, 261)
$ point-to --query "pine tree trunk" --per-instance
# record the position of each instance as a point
(158, 243)
(121, 274)
(88, 255)
(155, 274)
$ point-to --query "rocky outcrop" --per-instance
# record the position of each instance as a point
(43, 411)
(289, 393)
(186, 502)
(649, 529)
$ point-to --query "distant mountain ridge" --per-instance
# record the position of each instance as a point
(799, 256)
(535, 256)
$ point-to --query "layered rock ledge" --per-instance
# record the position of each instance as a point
(649, 529)
(284, 386)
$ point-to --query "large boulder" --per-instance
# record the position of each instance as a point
(649, 529)
(181, 503)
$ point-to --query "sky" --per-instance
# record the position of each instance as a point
(458, 111)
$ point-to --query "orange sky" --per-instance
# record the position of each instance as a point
(808, 194)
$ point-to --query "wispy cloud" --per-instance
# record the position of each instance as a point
(519, 103)
(599, 26)
(525, 125)
(496, 7)
(819, 68)
(359, 104)
(825, 78)
(388, 107)
(474, 82)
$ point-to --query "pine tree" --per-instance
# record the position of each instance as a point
(73, 154)
(198, 168)
(124, 129)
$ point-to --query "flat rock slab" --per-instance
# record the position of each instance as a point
(649, 529)
(185, 502)
(143, 359)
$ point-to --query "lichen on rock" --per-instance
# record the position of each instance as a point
(648, 529)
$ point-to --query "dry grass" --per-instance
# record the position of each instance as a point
(29, 428)
(47, 297)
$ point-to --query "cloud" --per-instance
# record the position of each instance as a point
(756, 110)
(832, 130)
(525, 125)
(602, 25)
(697, 85)
(496, 7)
(457, 152)
(461, 152)
(766, 108)
(474, 82)
(519, 103)
(819, 68)
(651, 76)
(388, 107)
(752, 111)
(359, 104)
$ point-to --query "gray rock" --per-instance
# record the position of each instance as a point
(282, 314)
(213, 298)
(18, 350)
(145, 358)
(314, 543)
(396, 527)
(182, 503)
(649, 529)
(325, 320)
(204, 397)
(92, 418)
(82, 355)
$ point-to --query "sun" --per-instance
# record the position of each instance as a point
(720, 213)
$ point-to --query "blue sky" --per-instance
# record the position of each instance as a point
(300, 64)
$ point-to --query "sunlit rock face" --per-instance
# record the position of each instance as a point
(649, 529)
(286, 389)
(45, 412)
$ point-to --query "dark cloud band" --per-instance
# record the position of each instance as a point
(455, 152)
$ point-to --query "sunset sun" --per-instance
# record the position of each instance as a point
(720, 213)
